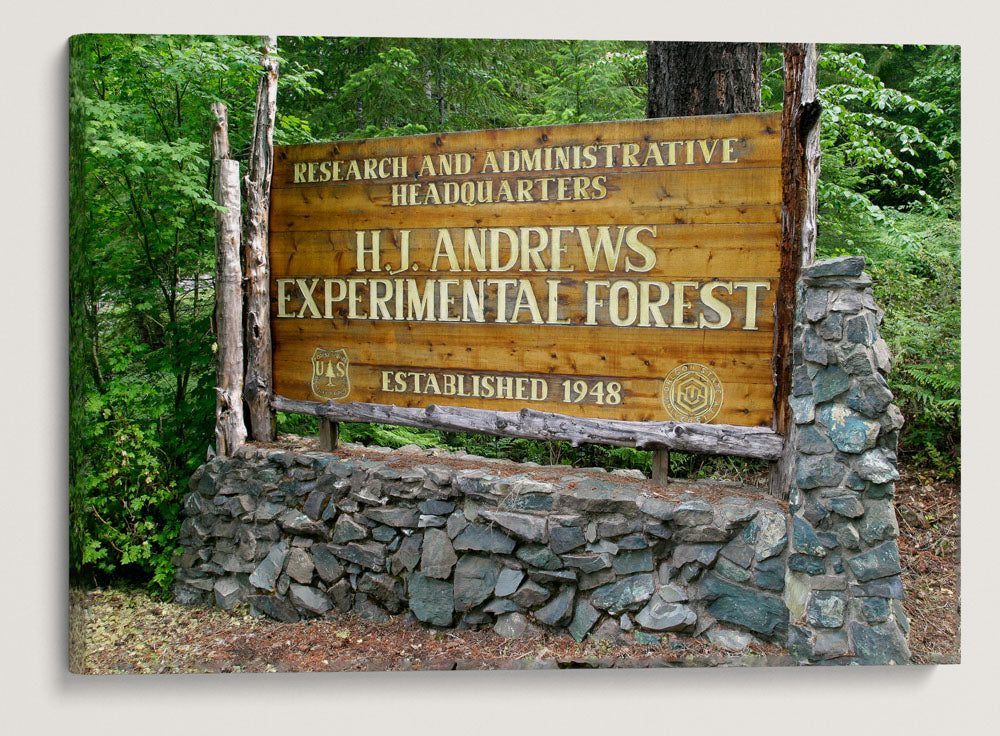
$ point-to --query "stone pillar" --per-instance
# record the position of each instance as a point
(843, 588)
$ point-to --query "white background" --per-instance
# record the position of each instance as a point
(37, 693)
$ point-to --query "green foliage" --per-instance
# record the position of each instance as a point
(887, 191)
(141, 230)
(141, 292)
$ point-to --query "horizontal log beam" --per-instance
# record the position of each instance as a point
(714, 439)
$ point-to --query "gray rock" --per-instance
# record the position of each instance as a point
(632, 541)
(429, 520)
(812, 442)
(693, 513)
(500, 605)
(815, 471)
(527, 527)
(436, 508)
(879, 644)
(274, 607)
(327, 565)
(703, 554)
(869, 397)
(762, 613)
(584, 617)
(595, 579)
(627, 562)
(507, 582)
(826, 609)
(587, 563)
(265, 576)
(365, 608)
(299, 566)
(772, 538)
(308, 599)
(846, 301)
(227, 593)
(832, 328)
(552, 576)
(624, 595)
(456, 523)
(609, 631)
(565, 538)
(875, 610)
(539, 556)
(849, 430)
(839, 266)
(475, 579)
(805, 540)
(395, 516)
(438, 555)
(298, 523)
(672, 593)
(348, 530)
(879, 562)
(875, 467)
(859, 330)
(847, 506)
(385, 589)
(557, 611)
(803, 409)
(657, 508)
(769, 574)
(530, 594)
(731, 639)
(484, 539)
(366, 554)
(511, 625)
(659, 615)
(890, 587)
(431, 600)
(879, 522)
(341, 595)
(314, 504)
(816, 303)
(814, 348)
(829, 383)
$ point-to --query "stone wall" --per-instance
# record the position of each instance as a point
(462, 541)
(470, 542)
(843, 584)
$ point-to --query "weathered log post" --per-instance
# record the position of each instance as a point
(800, 157)
(259, 379)
(230, 431)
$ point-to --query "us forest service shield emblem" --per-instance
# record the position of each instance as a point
(330, 374)
(692, 393)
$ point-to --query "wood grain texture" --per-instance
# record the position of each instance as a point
(259, 383)
(758, 442)
(800, 162)
(706, 222)
(230, 430)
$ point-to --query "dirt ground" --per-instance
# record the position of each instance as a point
(116, 631)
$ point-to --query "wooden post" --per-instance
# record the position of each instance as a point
(259, 379)
(230, 431)
(661, 465)
(329, 434)
(800, 156)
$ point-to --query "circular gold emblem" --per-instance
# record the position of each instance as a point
(692, 393)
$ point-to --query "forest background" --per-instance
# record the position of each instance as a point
(141, 344)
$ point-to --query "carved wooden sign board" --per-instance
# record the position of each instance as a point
(610, 270)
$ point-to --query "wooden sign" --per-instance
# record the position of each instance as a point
(610, 270)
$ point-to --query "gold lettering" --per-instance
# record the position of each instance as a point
(308, 302)
(649, 308)
(283, 297)
(750, 323)
(299, 172)
(590, 296)
(553, 286)
(526, 300)
(680, 302)
(447, 249)
(633, 242)
(720, 308)
(361, 249)
(727, 150)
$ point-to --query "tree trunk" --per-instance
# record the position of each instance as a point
(800, 156)
(687, 78)
(259, 380)
(230, 431)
